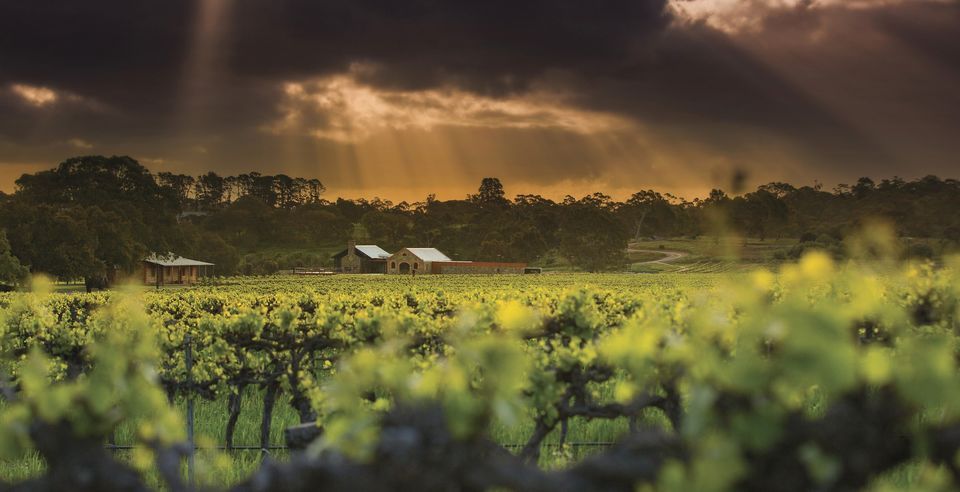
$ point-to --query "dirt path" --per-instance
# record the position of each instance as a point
(669, 256)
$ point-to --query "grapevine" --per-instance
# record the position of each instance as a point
(818, 376)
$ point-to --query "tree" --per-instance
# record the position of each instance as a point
(210, 190)
(11, 271)
(592, 237)
(648, 212)
(316, 224)
(209, 246)
(247, 222)
(52, 240)
(98, 180)
(390, 228)
(760, 212)
(314, 189)
(263, 188)
(863, 187)
(181, 184)
(524, 241)
(490, 194)
(542, 213)
(778, 189)
(91, 217)
(287, 190)
(112, 184)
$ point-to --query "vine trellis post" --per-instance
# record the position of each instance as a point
(190, 439)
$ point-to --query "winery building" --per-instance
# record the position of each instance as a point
(414, 261)
(361, 258)
(174, 270)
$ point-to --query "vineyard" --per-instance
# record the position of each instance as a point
(818, 376)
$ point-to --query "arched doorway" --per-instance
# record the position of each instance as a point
(404, 267)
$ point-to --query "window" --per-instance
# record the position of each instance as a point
(393, 265)
(416, 265)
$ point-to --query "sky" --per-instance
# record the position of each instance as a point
(404, 99)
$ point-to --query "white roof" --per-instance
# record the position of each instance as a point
(428, 254)
(372, 251)
(171, 259)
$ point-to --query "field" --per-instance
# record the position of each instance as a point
(706, 254)
(552, 367)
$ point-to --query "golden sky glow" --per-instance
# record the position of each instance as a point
(35, 96)
(736, 15)
(341, 109)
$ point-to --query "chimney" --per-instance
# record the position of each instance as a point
(351, 248)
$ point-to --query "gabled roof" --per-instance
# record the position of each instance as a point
(371, 251)
(171, 259)
(428, 254)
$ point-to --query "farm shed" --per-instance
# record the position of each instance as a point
(361, 258)
(173, 269)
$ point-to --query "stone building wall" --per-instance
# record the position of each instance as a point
(350, 263)
(396, 262)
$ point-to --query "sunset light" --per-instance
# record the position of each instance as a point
(480, 245)
(669, 94)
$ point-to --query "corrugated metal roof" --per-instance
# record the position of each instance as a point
(428, 254)
(372, 251)
(174, 260)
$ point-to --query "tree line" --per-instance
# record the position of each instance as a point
(94, 215)
(211, 191)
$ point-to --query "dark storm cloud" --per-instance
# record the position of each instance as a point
(839, 85)
(888, 72)
(128, 51)
(133, 54)
(494, 46)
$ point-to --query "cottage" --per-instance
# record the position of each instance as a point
(173, 269)
(361, 258)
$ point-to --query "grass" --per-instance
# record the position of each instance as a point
(727, 248)
(711, 254)
(653, 268)
(644, 256)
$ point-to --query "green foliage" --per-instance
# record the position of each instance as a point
(120, 385)
(591, 236)
(11, 271)
(744, 376)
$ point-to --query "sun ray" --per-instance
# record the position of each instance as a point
(204, 65)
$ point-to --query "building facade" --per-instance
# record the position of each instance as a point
(411, 261)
